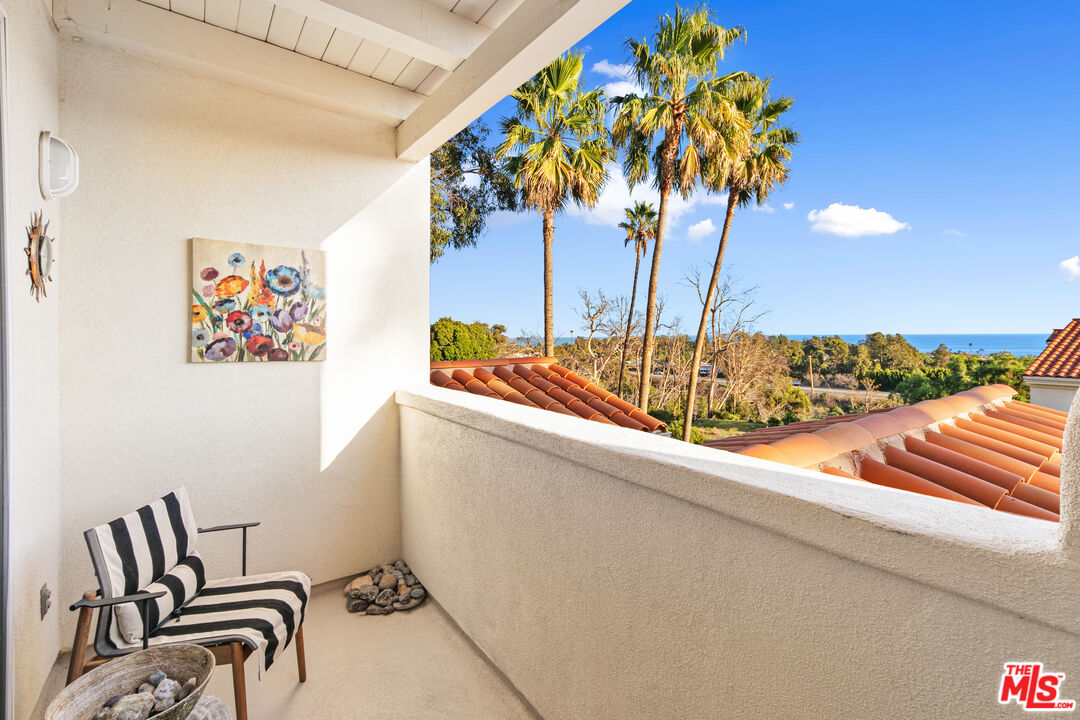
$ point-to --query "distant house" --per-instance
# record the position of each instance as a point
(1055, 374)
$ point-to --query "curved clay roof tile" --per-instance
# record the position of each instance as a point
(1038, 496)
(845, 437)
(881, 474)
(1010, 504)
(805, 450)
(975, 488)
(765, 452)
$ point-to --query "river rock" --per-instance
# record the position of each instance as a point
(167, 688)
(367, 593)
(187, 689)
(418, 593)
(354, 603)
(131, 707)
(357, 583)
(388, 581)
(145, 687)
(164, 704)
(379, 610)
(385, 598)
(410, 579)
(406, 602)
(156, 677)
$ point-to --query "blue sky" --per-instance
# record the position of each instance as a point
(958, 120)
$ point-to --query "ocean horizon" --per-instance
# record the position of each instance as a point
(1018, 344)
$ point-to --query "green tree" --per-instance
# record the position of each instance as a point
(940, 356)
(682, 101)
(556, 148)
(459, 208)
(752, 176)
(640, 227)
(454, 340)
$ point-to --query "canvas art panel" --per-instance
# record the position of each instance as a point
(257, 303)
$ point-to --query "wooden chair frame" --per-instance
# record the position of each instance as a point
(230, 653)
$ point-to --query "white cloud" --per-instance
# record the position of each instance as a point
(854, 221)
(623, 87)
(789, 206)
(612, 70)
(765, 208)
(700, 230)
(616, 197)
(957, 233)
(1071, 267)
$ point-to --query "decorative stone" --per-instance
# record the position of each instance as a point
(167, 688)
(367, 593)
(379, 610)
(388, 581)
(145, 687)
(400, 565)
(410, 579)
(100, 714)
(385, 598)
(376, 578)
(356, 583)
(131, 707)
(164, 704)
(156, 677)
(354, 603)
(418, 593)
(187, 689)
(406, 603)
(112, 701)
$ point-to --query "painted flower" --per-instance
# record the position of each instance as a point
(295, 346)
(259, 345)
(316, 292)
(208, 273)
(260, 313)
(258, 293)
(238, 321)
(236, 260)
(283, 280)
(230, 285)
(298, 311)
(199, 337)
(208, 291)
(277, 354)
(310, 334)
(225, 305)
(198, 314)
(220, 350)
(282, 321)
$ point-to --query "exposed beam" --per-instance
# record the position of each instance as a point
(415, 27)
(535, 34)
(178, 40)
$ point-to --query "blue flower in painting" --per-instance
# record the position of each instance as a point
(260, 313)
(220, 350)
(199, 337)
(236, 260)
(316, 292)
(298, 311)
(282, 321)
(258, 328)
(283, 280)
(225, 305)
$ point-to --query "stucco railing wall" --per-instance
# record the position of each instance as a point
(612, 574)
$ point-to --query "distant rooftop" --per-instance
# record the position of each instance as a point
(543, 384)
(1061, 358)
(978, 447)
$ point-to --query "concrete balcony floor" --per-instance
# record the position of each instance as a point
(414, 664)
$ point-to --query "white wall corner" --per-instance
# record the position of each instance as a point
(1070, 483)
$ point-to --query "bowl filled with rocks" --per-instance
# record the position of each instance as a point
(160, 683)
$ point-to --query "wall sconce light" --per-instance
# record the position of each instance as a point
(58, 167)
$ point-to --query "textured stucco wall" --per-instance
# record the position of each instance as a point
(1055, 395)
(311, 450)
(34, 463)
(602, 597)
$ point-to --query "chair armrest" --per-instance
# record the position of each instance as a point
(138, 598)
(234, 526)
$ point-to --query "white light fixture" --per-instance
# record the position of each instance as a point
(58, 167)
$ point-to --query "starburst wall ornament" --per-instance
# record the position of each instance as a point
(39, 256)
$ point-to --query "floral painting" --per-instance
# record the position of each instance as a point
(257, 303)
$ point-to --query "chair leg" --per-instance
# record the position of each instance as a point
(77, 663)
(239, 681)
(301, 662)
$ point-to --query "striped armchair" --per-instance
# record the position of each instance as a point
(153, 590)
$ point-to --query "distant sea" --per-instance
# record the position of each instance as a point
(980, 344)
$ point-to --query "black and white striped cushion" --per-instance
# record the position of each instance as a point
(146, 547)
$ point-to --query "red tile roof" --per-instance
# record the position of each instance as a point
(541, 383)
(977, 447)
(1061, 358)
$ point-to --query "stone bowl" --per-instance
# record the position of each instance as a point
(82, 698)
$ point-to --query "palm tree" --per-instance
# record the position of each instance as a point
(556, 148)
(682, 98)
(753, 177)
(640, 227)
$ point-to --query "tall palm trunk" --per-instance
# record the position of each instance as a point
(629, 322)
(649, 340)
(699, 341)
(549, 311)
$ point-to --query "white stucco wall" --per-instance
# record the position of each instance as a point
(611, 574)
(311, 450)
(34, 463)
(1054, 393)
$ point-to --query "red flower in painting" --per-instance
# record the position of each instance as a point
(238, 322)
(259, 345)
(277, 354)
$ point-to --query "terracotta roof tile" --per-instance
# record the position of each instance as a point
(977, 447)
(1061, 357)
(540, 383)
